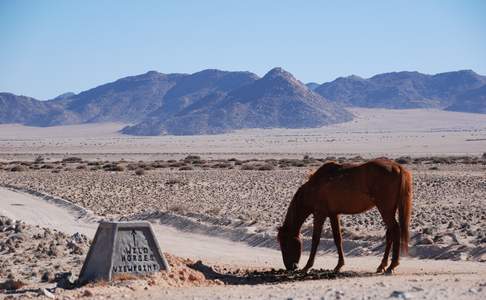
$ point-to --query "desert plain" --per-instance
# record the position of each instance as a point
(215, 202)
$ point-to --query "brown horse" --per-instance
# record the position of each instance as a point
(336, 189)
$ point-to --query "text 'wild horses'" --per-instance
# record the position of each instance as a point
(336, 189)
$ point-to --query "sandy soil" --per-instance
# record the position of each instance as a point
(374, 132)
(248, 205)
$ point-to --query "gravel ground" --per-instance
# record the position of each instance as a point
(449, 199)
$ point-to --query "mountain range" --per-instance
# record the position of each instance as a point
(404, 90)
(213, 101)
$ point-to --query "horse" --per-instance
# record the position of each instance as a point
(336, 189)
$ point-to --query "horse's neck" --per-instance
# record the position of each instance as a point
(295, 217)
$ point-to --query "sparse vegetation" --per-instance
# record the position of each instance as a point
(72, 159)
(114, 167)
(247, 167)
(140, 172)
(265, 167)
(18, 168)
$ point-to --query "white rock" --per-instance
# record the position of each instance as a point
(46, 293)
(401, 295)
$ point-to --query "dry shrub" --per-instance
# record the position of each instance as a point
(186, 168)
(114, 167)
(297, 163)
(132, 167)
(247, 167)
(266, 167)
(18, 168)
(140, 172)
(177, 164)
(221, 165)
(192, 158)
(271, 161)
(81, 167)
(118, 168)
(72, 159)
(160, 165)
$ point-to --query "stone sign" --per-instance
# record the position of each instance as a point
(122, 247)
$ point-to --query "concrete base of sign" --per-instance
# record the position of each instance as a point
(122, 247)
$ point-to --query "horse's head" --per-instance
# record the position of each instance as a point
(289, 236)
(291, 247)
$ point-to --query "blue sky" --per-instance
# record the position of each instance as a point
(51, 47)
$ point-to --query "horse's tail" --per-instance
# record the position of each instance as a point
(404, 208)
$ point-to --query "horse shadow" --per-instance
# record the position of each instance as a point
(253, 277)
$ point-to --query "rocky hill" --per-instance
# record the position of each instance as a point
(470, 101)
(401, 89)
(276, 100)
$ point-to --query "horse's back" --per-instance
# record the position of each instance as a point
(354, 188)
(332, 169)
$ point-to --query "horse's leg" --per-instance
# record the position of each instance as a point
(316, 238)
(336, 234)
(384, 261)
(393, 226)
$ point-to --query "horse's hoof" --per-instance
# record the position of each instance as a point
(380, 269)
(389, 271)
(305, 270)
(338, 268)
